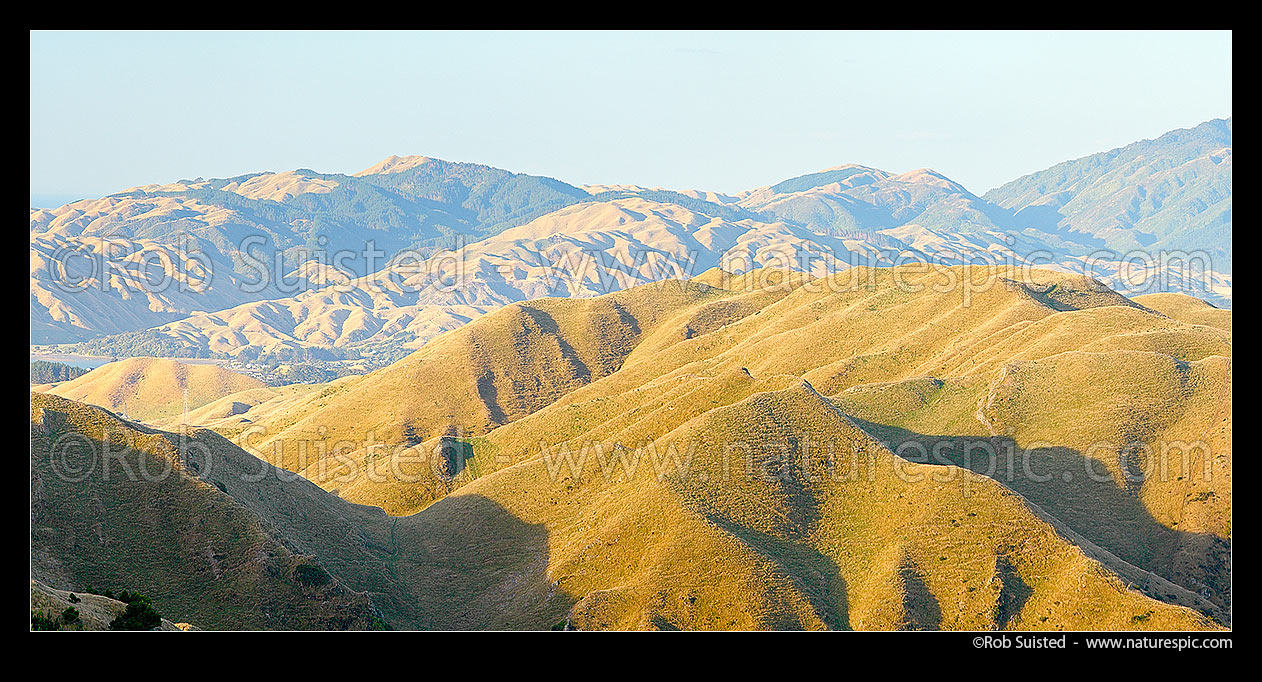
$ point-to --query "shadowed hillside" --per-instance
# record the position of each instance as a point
(1051, 364)
(118, 506)
(224, 540)
(505, 366)
(90, 611)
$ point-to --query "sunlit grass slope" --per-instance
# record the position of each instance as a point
(1187, 309)
(227, 415)
(153, 388)
(1130, 449)
(506, 365)
(1042, 362)
(858, 540)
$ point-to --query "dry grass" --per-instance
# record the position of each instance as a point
(149, 523)
(152, 389)
(1188, 309)
(491, 530)
(806, 550)
(95, 611)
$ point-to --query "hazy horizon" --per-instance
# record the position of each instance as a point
(635, 331)
(719, 111)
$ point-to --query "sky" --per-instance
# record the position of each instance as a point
(722, 111)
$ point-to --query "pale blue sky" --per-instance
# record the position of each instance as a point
(724, 111)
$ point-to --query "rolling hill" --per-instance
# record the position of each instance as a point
(153, 388)
(221, 542)
(275, 240)
(95, 612)
(1090, 388)
(581, 251)
(119, 506)
(1169, 193)
(252, 232)
(1187, 309)
(854, 197)
(587, 250)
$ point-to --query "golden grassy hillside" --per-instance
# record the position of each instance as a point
(152, 389)
(779, 534)
(1049, 364)
(1187, 309)
(852, 541)
(1130, 449)
(221, 539)
(508, 364)
(228, 414)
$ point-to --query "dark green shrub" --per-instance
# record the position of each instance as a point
(129, 597)
(312, 575)
(140, 615)
(39, 621)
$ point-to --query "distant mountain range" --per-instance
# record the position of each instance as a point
(412, 203)
(521, 237)
(1173, 192)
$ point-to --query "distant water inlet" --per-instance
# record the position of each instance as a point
(81, 361)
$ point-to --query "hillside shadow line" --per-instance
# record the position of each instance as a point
(1056, 479)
